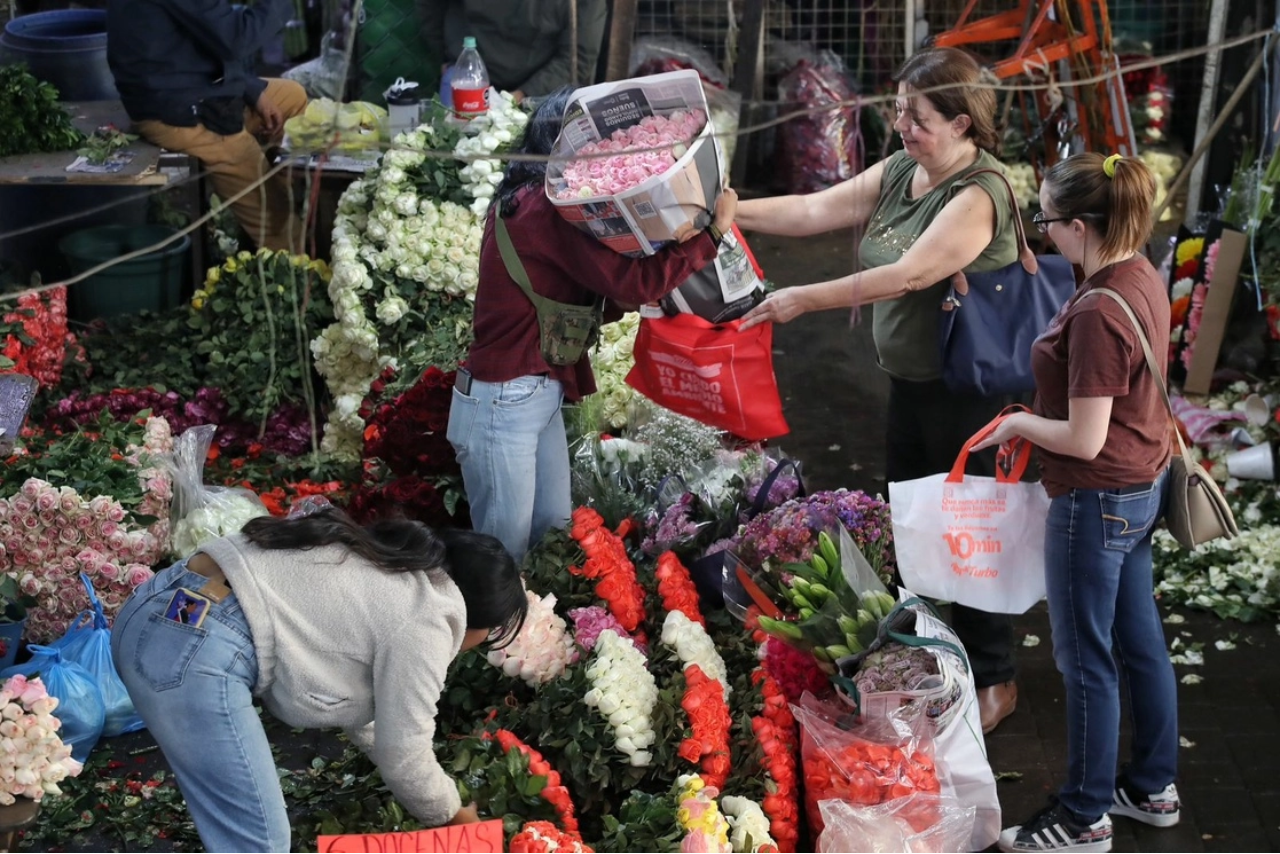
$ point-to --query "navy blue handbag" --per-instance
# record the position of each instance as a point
(986, 334)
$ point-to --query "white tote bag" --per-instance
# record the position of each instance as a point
(978, 541)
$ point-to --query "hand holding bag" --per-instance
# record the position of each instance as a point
(718, 374)
(986, 335)
(1197, 511)
(974, 540)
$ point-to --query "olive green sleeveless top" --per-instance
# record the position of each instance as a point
(906, 328)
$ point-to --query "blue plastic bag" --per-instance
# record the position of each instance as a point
(80, 706)
(88, 643)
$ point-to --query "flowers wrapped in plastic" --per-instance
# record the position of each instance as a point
(203, 513)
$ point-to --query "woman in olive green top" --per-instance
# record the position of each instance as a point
(926, 217)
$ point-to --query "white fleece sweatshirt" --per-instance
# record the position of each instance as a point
(343, 643)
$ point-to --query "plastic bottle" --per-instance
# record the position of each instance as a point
(470, 82)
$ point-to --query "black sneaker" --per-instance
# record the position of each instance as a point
(1163, 809)
(1055, 829)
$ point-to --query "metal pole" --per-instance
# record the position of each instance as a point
(1208, 98)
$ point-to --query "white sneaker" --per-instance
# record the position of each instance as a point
(1163, 809)
(1054, 829)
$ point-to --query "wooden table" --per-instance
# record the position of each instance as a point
(88, 116)
(151, 167)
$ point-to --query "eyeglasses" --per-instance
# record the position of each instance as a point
(1042, 224)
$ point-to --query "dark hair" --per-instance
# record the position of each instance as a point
(959, 72)
(484, 571)
(539, 138)
(1120, 206)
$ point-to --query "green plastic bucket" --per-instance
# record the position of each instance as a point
(151, 282)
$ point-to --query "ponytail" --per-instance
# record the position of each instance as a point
(1115, 194)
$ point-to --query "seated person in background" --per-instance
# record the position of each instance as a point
(527, 47)
(184, 69)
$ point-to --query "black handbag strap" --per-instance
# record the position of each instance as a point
(757, 506)
(1151, 364)
(1025, 255)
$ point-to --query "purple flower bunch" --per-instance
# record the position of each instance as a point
(589, 622)
(789, 534)
(784, 488)
(672, 529)
(288, 429)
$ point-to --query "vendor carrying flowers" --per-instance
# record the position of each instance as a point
(331, 625)
(505, 422)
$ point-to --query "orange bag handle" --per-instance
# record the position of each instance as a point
(1011, 464)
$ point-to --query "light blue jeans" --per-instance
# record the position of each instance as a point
(193, 685)
(511, 444)
(1101, 608)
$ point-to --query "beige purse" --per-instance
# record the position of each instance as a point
(1197, 511)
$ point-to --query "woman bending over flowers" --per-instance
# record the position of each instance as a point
(330, 625)
(505, 422)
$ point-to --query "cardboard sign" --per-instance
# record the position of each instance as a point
(484, 837)
(1217, 310)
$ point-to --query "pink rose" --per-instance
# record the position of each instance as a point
(71, 565)
(100, 506)
(84, 522)
(89, 555)
(47, 501)
(12, 545)
(139, 574)
(109, 570)
(98, 546)
(71, 596)
(108, 528)
(116, 513)
(118, 541)
(21, 505)
(49, 518)
(69, 502)
(35, 555)
(70, 536)
(29, 584)
(44, 542)
(29, 521)
(31, 488)
(142, 545)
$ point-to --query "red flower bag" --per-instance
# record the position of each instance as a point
(716, 374)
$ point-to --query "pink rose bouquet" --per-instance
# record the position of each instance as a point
(632, 156)
(33, 758)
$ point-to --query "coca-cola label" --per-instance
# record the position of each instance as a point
(470, 102)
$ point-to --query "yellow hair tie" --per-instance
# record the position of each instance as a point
(1109, 165)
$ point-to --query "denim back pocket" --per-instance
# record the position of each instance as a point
(1127, 515)
(164, 649)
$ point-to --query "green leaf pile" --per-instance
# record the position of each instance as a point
(31, 118)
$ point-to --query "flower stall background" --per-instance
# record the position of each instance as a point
(630, 714)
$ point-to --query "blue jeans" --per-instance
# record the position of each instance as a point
(1101, 607)
(193, 685)
(511, 444)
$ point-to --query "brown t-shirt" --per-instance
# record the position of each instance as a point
(1091, 350)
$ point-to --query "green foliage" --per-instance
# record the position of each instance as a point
(93, 460)
(31, 119)
(499, 783)
(136, 351)
(545, 570)
(254, 320)
(645, 822)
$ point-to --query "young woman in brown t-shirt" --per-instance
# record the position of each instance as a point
(1103, 433)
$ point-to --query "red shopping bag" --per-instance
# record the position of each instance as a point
(716, 374)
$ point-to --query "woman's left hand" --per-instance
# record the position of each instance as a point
(778, 307)
(1006, 431)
